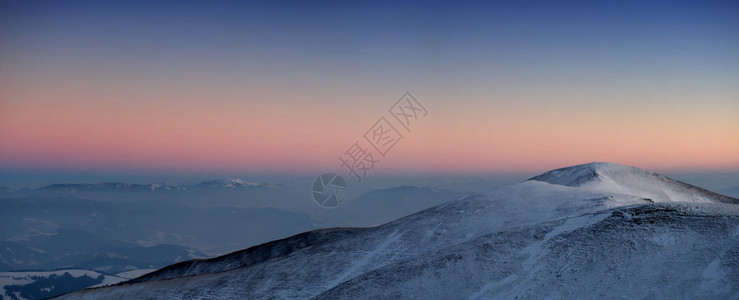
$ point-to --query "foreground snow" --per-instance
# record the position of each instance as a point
(594, 230)
(24, 279)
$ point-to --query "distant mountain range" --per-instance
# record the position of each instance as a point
(68, 249)
(597, 230)
(381, 206)
(228, 192)
(71, 188)
(149, 222)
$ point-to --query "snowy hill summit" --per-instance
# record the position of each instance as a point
(596, 230)
(615, 178)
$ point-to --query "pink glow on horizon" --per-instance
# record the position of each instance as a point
(69, 128)
(185, 139)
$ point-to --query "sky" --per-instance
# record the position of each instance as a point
(280, 87)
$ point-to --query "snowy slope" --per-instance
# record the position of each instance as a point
(594, 230)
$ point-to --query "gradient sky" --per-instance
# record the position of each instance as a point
(288, 86)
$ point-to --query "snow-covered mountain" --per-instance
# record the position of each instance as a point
(597, 230)
(613, 178)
